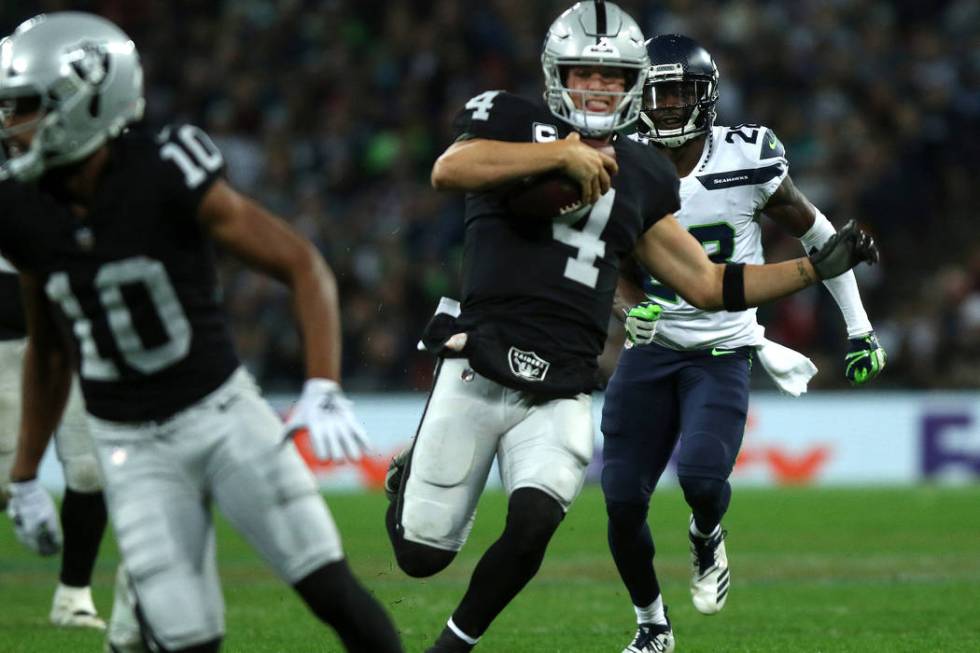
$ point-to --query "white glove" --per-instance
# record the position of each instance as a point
(641, 322)
(325, 412)
(35, 517)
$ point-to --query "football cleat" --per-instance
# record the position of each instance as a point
(652, 638)
(396, 470)
(73, 607)
(710, 577)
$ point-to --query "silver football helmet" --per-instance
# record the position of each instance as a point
(71, 79)
(594, 33)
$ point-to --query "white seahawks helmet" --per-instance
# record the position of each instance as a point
(594, 33)
(79, 75)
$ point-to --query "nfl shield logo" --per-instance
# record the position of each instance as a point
(527, 364)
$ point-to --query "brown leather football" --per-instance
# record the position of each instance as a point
(552, 194)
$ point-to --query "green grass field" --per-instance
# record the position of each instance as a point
(813, 570)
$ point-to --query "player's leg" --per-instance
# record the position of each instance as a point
(11, 359)
(640, 428)
(446, 470)
(157, 501)
(714, 405)
(83, 518)
(542, 466)
(270, 496)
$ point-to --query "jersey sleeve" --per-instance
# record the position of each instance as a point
(772, 167)
(494, 115)
(190, 163)
(663, 188)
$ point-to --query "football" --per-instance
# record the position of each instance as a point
(551, 195)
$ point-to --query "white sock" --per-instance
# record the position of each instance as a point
(652, 614)
(459, 633)
(696, 533)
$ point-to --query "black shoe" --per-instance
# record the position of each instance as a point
(393, 477)
(448, 642)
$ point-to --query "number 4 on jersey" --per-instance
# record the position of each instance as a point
(588, 240)
(481, 105)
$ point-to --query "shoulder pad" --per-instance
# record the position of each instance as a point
(756, 144)
(192, 152)
(499, 115)
(771, 147)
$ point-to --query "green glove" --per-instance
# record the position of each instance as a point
(865, 359)
(641, 322)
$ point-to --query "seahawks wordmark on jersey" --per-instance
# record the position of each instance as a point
(740, 168)
(133, 281)
(537, 294)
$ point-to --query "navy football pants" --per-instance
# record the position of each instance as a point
(657, 395)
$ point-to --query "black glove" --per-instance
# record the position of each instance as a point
(843, 251)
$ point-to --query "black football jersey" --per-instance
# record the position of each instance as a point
(12, 323)
(134, 281)
(11, 309)
(537, 294)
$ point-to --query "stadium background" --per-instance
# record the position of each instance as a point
(331, 113)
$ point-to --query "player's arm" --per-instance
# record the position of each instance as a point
(789, 208)
(266, 243)
(45, 383)
(480, 164)
(675, 257)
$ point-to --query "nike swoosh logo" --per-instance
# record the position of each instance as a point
(772, 144)
(721, 352)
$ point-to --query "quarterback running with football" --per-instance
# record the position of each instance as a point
(113, 236)
(518, 355)
(687, 374)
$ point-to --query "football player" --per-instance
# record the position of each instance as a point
(83, 513)
(518, 357)
(689, 376)
(113, 241)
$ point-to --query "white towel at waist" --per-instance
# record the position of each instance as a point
(790, 370)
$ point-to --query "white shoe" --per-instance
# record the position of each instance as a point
(710, 579)
(124, 630)
(652, 638)
(73, 607)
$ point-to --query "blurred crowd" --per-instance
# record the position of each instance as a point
(331, 112)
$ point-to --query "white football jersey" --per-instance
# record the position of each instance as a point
(740, 168)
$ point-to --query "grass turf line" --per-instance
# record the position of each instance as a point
(841, 570)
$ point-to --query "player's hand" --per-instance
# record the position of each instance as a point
(324, 411)
(641, 322)
(589, 167)
(35, 518)
(843, 251)
(865, 359)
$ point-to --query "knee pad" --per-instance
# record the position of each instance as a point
(533, 517)
(421, 561)
(82, 473)
(707, 497)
